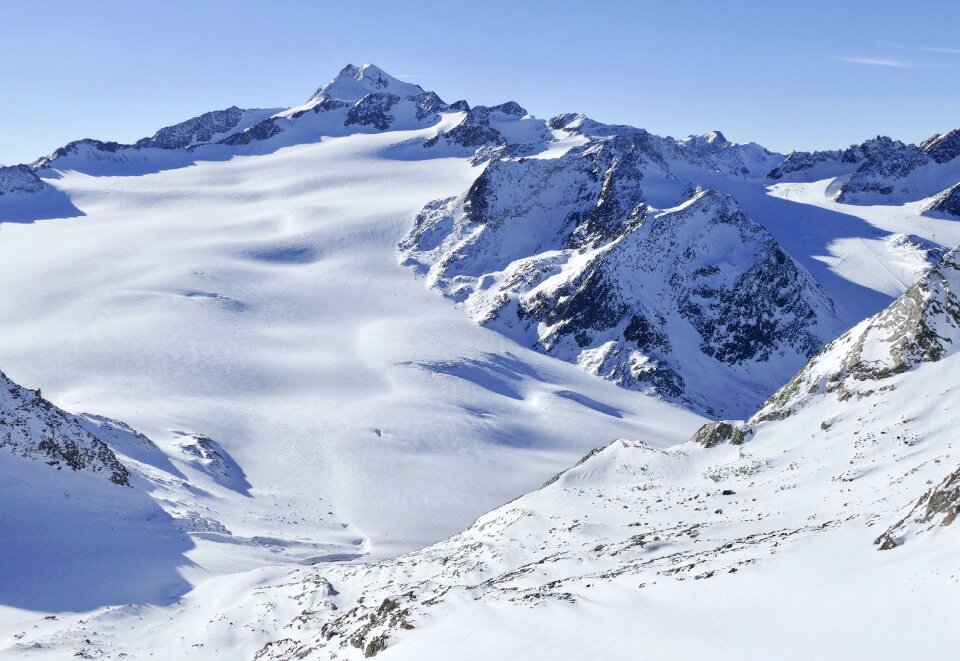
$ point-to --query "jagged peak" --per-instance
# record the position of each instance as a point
(942, 147)
(883, 143)
(353, 83)
(510, 108)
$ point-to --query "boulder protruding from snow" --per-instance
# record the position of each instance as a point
(937, 507)
(715, 433)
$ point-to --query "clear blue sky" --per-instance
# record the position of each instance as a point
(790, 75)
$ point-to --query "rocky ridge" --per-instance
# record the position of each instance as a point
(567, 255)
(33, 428)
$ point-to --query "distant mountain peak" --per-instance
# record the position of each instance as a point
(353, 83)
(707, 142)
(943, 147)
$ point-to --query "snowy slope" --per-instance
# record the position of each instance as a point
(686, 303)
(309, 398)
(304, 399)
(811, 494)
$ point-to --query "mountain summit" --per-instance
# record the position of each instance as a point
(353, 83)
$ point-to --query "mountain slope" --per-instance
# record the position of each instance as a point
(312, 404)
(32, 427)
(250, 313)
(945, 204)
(567, 255)
(806, 479)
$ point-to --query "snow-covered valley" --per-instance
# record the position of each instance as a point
(340, 337)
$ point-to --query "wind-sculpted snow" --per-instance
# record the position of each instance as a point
(341, 412)
(745, 526)
(566, 255)
(630, 525)
(742, 506)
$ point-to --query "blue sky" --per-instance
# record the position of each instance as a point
(789, 75)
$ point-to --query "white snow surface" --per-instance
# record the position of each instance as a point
(258, 302)
(299, 409)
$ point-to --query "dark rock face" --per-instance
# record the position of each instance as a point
(510, 108)
(474, 131)
(715, 433)
(947, 202)
(878, 168)
(884, 161)
(19, 180)
(937, 507)
(259, 131)
(373, 110)
(800, 161)
(942, 148)
(736, 324)
(32, 427)
(429, 104)
(194, 131)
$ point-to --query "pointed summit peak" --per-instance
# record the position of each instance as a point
(707, 142)
(348, 71)
(716, 137)
(353, 83)
(702, 198)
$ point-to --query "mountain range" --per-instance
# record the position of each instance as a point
(340, 336)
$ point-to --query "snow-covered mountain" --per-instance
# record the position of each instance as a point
(568, 255)
(170, 145)
(880, 170)
(307, 398)
(825, 470)
(945, 203)
(313, 417)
